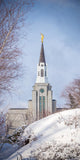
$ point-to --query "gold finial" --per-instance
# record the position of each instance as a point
(42, 37)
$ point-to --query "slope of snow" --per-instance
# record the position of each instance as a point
(54, 137)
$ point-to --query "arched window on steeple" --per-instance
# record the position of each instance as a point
(45, 73)
(42, 73)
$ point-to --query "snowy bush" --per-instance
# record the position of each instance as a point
(70, 120)
(57, 152)
(11, 143)
(29, 135)
(16, 137)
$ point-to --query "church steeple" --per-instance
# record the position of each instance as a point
(42, 76)
(42, 56)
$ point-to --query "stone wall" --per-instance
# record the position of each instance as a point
(16, 117)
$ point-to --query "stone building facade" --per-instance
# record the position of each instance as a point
(15, 118)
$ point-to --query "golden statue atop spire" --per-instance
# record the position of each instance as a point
(42, 37)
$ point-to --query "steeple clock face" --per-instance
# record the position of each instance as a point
(42, 90)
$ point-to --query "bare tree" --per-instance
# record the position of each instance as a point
(12, 15)
(72, 94)
(2, 124)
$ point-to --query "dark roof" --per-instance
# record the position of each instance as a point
(17, 108)
(42, 56)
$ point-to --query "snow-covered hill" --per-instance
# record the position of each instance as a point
(54, 137)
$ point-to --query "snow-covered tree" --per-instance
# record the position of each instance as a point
(72, 94)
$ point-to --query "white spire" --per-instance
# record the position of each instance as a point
(42, 75)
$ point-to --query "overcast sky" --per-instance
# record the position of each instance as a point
(59, 21)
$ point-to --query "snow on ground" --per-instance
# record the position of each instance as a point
(54, 137)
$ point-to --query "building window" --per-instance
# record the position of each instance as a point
(45, 73)
(42, 72)
(42, 90)
(41, 106)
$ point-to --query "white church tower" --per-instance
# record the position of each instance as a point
(42, 74)
(42, 103)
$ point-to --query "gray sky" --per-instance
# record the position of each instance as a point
(59, 21)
